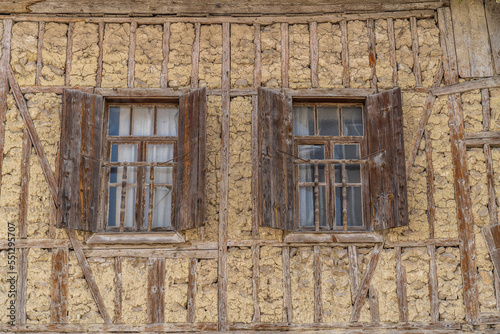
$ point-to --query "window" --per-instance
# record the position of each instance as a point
(331, 166)
(132, 166)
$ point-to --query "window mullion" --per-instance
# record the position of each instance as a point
(123, 198)
(151, 192)
(316, 197)
(344, 198)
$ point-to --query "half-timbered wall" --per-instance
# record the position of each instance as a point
(231, 274)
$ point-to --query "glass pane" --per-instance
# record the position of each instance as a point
(166, 121)
(306, 206)
(338, 206)
(328, 121)
(303, 120)
(113, 220)
(123, 153)
(349, 151)
(113, 175)
(352, 121)
(354, 207)
(160, 153)
(130, 207)
(311, 151)
(306, 173)
(338, 173)
(353, 173)
(321, 173)
(322, 206)
(119, 121)
(162, 207)
(142, 121)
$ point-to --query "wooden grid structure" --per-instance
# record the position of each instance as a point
(360, 290)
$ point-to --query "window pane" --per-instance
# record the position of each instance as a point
(161, 153)
(354, 207)
(130, 207)
(322, 206)
(306, 173)
(142, 121)
(123, 153)
(353, 173)
(328, 121)
(348, 151)
(338, 173)
(162, 207)
(303, 120)
(119, 121)
(306, 206)
(113, 220)
(321, 173)
(338, 206)
(166, 121)
(352, 121)
(311, 151)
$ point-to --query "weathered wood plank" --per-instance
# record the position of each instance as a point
(472, 41)
(480, 138)
(401, 287)
(352, 253)
(431, 204)
(22, 280)
(255, 166)
(345, 54)
(89, 277)
(118, 290)
(448, 46)
(4, 84)
(206, 328)
(156, 290)
(424, 243)
(25, 180)
(374, 306)
(99, 59)
(195, 58)
(492, 10)
(333, 238)
(35, 140)
(491, 82)
(365, 283)
(287, 286)
(157, 253)
(314, 52)
(59, 291)
(415, 49)
(224, 178)
(131, 56)
(165, 50)
(69, 54)
(284, 55)
(433, 284)
(392, 49)
(257, 73)
(41, 31)
(191, 305)
(372, 53)
(318, 309)
(255, 282)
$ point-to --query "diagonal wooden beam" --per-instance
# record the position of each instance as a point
(365, 283)
(35, 140)
(89, 277)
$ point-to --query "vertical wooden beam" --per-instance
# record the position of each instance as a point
(165, 50)
(22, 278)
(53, 207)
(431, 204)
(257, 73)
(4, 84)
(69, 53)
(191, 305)
(196, 56)
(59, 292)
(25, 180)
(448, 46)
(101, 51)
(345, 53)
(255, 282)
(41, 31)
(374, 306)
(118, 290)
(156, 290)
(314, 51)
(352, 252)
(89, 277)
(415, 49)
(392, 49)
(372, 54)
(318, 312)
(492, 207)
(287, 285)
(433, 284)
(131, 55)
(401, 287)
(284, 55)
(224, 175)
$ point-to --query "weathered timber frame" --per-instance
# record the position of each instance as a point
(218, 250)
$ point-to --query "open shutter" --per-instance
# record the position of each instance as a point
(80, 155)
(275, 147)
(387, 160)
(191, 150)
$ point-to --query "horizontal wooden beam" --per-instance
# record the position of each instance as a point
(478, 139)
(136, 238)
(36, 243)
(117, 328)
(333, 237)
(468, 85)
(424, 243)
(156, 253)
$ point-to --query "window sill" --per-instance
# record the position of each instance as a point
(136, 238)
(351, 237)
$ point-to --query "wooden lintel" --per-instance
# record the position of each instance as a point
(490, 82)
(302, 237)
(157, 253)
(135, 238)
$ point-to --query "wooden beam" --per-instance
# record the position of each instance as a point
(374, 306)
(424, 243)
(25, 180)
(314, 53)
(287, 286)
(392, 48)
(352, 252)
(22, 279)
(59, 291)
(401, 287)
(345, 54)
(35, 140)
(192, 280)
(131, 55)
(118, 290)
(372, 53)
(156, 253)
(205, 328)
(284, 55)
(224, 178)
(255, 282)
(156, 290)
(165, 50)
(196, 56)
(493, 20)
(433, 284)
(365, 283)
(431, 204)
(481, 138)
(4, 84)
(257, 74)
(69, 53)
(36, 243)
(448, 46)
(41, 31)
(318, 309)
(490, 82)
(101, 51)
(89, 277)
(415, 49)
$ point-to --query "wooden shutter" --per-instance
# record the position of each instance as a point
(275, 147)
(492, 238)
(80, 155)
(190, 172)
(387, 160)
